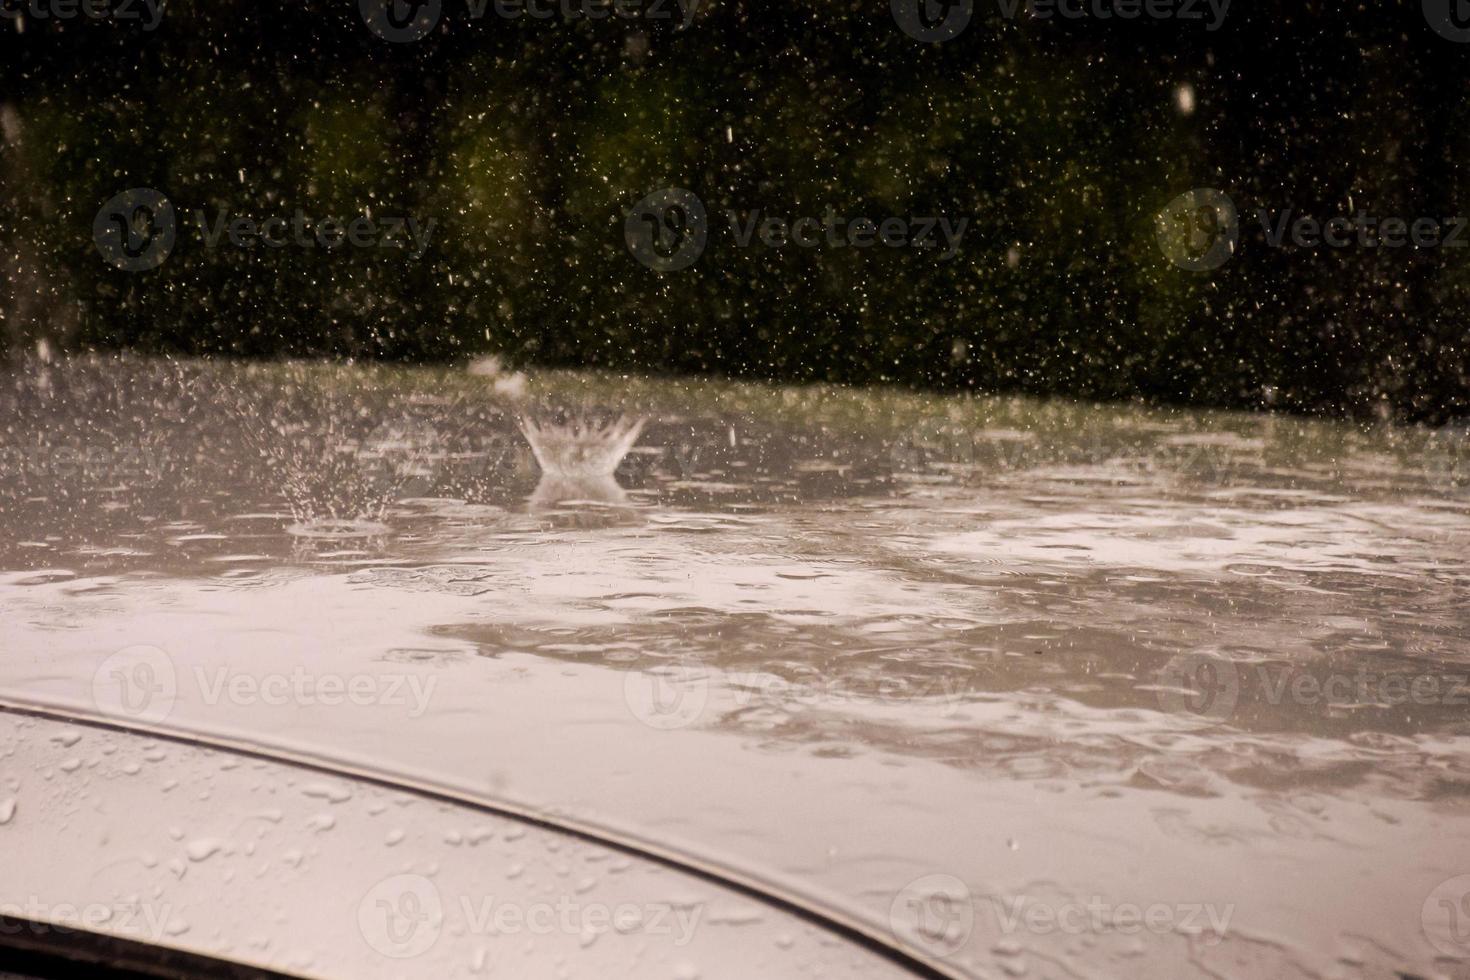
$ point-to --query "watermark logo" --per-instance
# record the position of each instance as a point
(402, 457)
(139, 683)
(1206, 921)
(935, 21)
(944, 443)
(485, 915)
(114, 463)
(136, 230)
(411, 692)
(149, 12)
(940, 695)
(1446, 917)
(401, 916)
(678, 695)
(140, 920)
(667, 230)
(142, 683)
(401, 21)
(932, 21)
(1199, 230)
(573, 10)
(1362, 230)
(1449, 18)
(1211, 11)
(668, 697)
(955, 449)
(405, 21)
(304, 231)
(935, 913)
(832, 230)
(1201, 684)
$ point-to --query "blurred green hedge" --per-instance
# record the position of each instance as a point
(528, 141)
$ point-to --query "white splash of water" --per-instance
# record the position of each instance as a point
(580, 448)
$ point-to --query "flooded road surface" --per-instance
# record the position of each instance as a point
(1035, 689)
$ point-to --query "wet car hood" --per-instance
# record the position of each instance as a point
(301, 870)
(1016, 686)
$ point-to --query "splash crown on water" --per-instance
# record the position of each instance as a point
(579, 447)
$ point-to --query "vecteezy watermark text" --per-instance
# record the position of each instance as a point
(684, 10)
(142, 920)
(933, 21)
(403, 916)
(936, 913)
(1203, 684)
(677, 694)
(147, 12)
(142, 683)
(403, 21)
(1200, 230)
(137, 230)
(835, 231)
(669, 229)
(66, 462)
(1095, 916)
(1211, 12)
(303, 231)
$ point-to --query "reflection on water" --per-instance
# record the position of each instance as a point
(594, 500)
(578, 456)
(1194, 635)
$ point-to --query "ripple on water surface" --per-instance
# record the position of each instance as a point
(1171, 657)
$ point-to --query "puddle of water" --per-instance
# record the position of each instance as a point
(1070, 657)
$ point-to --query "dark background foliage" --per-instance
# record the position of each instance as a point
(528, 141)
